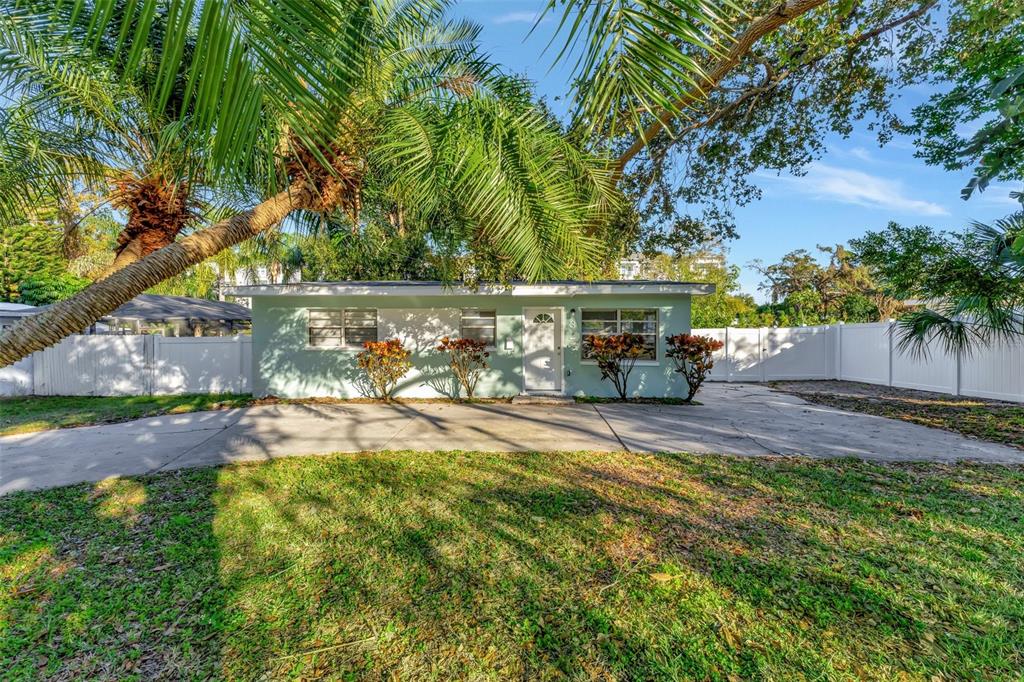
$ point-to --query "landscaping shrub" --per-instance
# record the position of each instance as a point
(692, 356)
(49, 288)
(385, 363)
(616, 355)
(468, 360)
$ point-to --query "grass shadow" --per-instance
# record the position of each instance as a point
(527, 566)
(112, 580)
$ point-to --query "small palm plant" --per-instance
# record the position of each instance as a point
(385, 363)
(616, 356)
(468, 360)
(973, 297)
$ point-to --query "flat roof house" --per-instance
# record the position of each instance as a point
(306, 335)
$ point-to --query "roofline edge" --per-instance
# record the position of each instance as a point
(540, 289)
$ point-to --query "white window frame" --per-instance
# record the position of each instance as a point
(493, 325)
(345, 345)
(618, 330)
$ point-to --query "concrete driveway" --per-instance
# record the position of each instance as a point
(740, 419)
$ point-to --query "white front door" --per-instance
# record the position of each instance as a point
(542, 349)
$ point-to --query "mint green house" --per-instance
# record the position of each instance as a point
(306, 335)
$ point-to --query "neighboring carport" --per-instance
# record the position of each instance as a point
(180, 315)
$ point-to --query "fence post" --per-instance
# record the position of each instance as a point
(839, 351)
(149, 353)
(888, 341)
(760, 351)
(728, 357)
(241, 364)
(956, 379)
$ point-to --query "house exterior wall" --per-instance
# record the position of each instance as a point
(284, 365)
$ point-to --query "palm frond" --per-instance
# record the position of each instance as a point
(225, 66)
(527, 193)
(36, 164)
(61, 78)
(976, 297)
(634, 57)
(960, 327)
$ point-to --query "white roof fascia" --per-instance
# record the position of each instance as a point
(542, 289)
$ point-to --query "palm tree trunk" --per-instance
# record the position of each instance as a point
(83, 309)
(131, 253)
(71, 236)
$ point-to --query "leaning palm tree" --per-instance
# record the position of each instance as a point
(406, 105)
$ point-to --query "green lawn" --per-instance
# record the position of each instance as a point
(525, 566)
(38, 413)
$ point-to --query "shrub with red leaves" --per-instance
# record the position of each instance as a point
(616, 355)
(692, 356)
(468, 360)
(385, 363)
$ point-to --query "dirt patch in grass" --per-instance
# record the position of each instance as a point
(991, 420)
(519, 566)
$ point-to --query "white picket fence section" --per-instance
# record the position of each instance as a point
(133, 365)
(867, 353)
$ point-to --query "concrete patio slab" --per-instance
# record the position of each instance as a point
(747, 419)
(740, 419)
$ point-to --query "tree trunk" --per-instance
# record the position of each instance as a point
(71, 237)
(130, 253)
(83, 309)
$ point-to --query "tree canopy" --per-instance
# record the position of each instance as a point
(968, 286)
(210, 124)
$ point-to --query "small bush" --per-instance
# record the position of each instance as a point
(468, 360)
(616, 355)
(692, 357)
(47, 289)
(385, 363)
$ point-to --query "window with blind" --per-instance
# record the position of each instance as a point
(341, 328)
(478, 325)
(640, 321)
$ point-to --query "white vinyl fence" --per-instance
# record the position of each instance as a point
(867, 353)
(157, 365)
(133, 365)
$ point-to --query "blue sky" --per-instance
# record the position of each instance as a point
(855, 187)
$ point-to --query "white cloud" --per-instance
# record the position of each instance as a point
(998, 195)
(515, 18)
(847, 186)
(861, 153)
